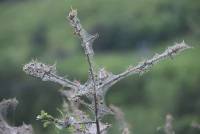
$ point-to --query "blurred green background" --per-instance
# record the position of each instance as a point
(130, 31)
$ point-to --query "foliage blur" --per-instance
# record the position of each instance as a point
(130, 31)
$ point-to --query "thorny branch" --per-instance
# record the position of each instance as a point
(87, 41)
(5, 128)
(147, 64)
(98, 83)
(47, 73)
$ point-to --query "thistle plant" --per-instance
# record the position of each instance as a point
(90, 94)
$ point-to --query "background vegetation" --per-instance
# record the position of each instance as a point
(129, 30)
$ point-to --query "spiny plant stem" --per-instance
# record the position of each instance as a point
(87, 41)
(94, 93)
(95, 88)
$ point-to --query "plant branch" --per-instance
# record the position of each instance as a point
(87, 41)
(92, 92)
(5, 128)
(48, 73)
(147, 64)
